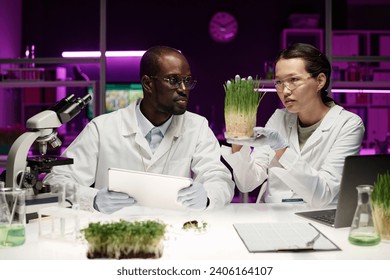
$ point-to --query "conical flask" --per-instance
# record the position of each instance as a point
(363, 231)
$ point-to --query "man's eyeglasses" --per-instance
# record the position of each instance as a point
(175, 81)
(291, 82)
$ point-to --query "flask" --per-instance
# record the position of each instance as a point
(363, 231)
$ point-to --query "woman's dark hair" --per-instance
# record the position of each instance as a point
(315, 62)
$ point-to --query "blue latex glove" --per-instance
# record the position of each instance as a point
(109, 202)
(194, 196)
(263, 136)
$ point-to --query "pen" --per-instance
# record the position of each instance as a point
(292, 200)
(295, 249)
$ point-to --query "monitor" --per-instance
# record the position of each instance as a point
(118, 95)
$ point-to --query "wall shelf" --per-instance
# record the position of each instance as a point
(38, 84)
(361, 85)
(98, 86)
(50, 60)
(360, 58)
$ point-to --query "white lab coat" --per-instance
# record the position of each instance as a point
(189, 149)
(313, 173)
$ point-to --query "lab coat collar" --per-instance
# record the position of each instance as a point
(326, 123)
(330, 117)
(129, 121)
(130, 126)
(292, 123)
(325, 126)
(145, 125)
(173, 133)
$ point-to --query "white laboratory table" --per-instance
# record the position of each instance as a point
(219, 242)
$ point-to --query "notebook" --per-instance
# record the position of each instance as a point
(358, 170)
(280, 237)
(148, 189)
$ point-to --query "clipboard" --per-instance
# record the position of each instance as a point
(148, 189)
(283, 237)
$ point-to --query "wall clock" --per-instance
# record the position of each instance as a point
(223, 27)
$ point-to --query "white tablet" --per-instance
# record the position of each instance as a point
(148, 189)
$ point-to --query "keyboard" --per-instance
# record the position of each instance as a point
(326, 216)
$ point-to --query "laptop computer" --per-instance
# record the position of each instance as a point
(148, 189)
(358, 170)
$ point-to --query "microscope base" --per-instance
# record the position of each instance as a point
(36, 202)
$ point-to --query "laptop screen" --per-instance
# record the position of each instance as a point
(358, 170)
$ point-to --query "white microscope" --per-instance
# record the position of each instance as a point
(22, 171)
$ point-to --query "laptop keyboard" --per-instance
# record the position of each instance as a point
(326, 217)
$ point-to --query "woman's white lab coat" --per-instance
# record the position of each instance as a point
(189, 149)
(313, 173)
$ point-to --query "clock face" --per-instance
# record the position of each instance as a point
(223, 27)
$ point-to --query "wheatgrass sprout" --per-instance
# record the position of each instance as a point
(124, 239)
(242, 98)
(380, 199)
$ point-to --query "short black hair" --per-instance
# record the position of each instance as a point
(149, 62)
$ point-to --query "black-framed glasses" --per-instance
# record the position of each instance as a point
(174, 81)
(290, 82)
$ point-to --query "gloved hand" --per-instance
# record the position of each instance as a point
(263, 136)
(194, 196)
(271, 137)
(109, 202)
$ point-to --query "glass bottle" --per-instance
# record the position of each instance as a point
(353, 72)
(32, 53)
(363, 231)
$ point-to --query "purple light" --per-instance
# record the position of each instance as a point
(361, 90)
(108, 54)
(340, 90)
(267, 89)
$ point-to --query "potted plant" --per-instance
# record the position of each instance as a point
(242, 98)
(380, 199)
(124, 239)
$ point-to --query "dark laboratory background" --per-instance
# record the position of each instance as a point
(73, 25)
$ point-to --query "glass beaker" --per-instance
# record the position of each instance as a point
(62, 221)
(12, 217)
(363, 231)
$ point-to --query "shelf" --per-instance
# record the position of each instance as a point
(38, 104)
(50, 60)
(342, 85)
(360, 85)
(312, 36)
(54, 84)
(37, 83)
(347, 106)
(98, 100)
(360, 58)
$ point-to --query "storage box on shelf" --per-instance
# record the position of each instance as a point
(361, 75)
(360, 55)
(312, 36)
(361, 43)
(371, 101)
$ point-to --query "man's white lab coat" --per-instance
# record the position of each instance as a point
(313, 173)
(189, 149)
